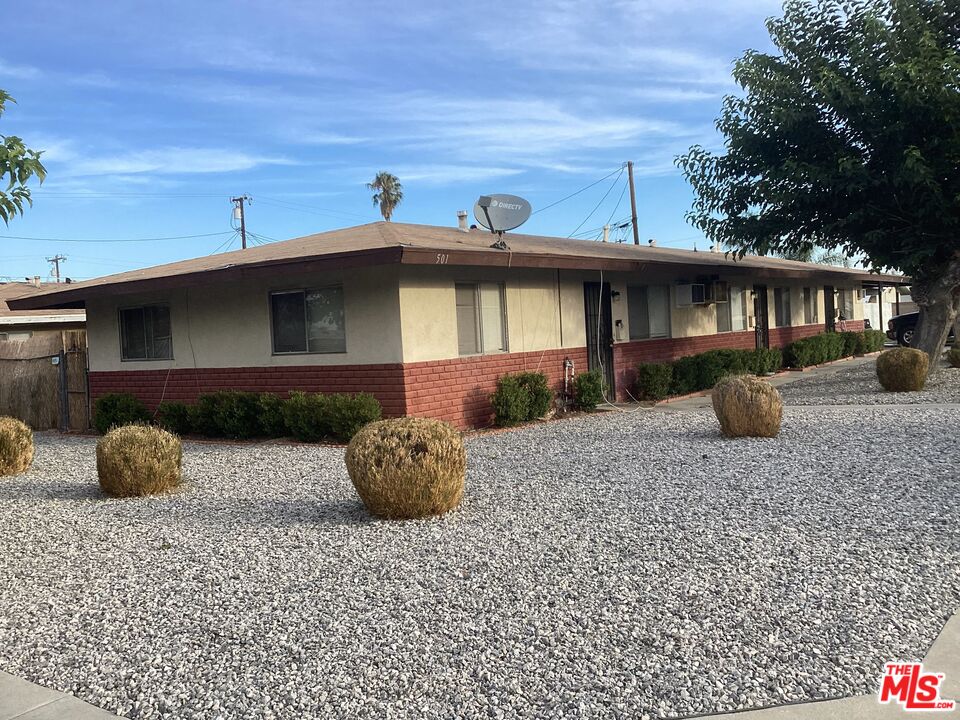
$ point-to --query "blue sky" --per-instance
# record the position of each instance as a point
(153, 115)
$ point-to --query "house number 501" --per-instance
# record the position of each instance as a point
(442, 258)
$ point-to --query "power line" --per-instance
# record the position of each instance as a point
(597, 207)
(587, 187)
(310, 209)
(103, 240)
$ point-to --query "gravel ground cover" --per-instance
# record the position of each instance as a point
(614, 565)
(858, 385)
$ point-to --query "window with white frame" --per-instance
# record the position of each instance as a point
(308, 321)
(481, 318)
(810, 310)
(732, 313)
(781, 306)
(145, 333)
(648, 311)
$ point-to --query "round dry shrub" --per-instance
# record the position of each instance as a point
(135, 460)
(16, 446)
(903, 369)
(953, 357)
(747, 406)
(408, 467)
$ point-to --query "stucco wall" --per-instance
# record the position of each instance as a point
(229, 325)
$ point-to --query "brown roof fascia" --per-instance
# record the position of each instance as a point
(76, 297)
(508, 259)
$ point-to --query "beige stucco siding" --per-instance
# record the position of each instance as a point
(228, 325)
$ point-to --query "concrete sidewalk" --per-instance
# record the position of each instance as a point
(943, 657)
(25, 701)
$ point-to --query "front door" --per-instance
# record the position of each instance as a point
(761, 316)
(596, 299)
(829, 308)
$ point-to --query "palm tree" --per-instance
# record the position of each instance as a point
(389, 193)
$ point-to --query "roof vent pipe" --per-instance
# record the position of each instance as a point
(462, 221)
(606, 233)
(36, 281)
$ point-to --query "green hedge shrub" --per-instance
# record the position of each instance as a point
(830, 346)
(311, 417)
(116, 409)
(521, 397)
(766, 360)
(588, 390)
(653, 381)
(870, 341)
(174, 417)
(272, 423)
(227, 414)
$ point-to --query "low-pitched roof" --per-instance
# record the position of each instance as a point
(8, 317)
(383, 243)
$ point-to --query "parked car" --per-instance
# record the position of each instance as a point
(900, 328)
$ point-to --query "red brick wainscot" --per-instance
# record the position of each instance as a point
(385, 382)
(458, 390)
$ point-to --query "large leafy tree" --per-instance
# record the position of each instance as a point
(847, 138)
(388, 193)
(18, 164)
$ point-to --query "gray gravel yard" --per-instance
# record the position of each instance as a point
(613, 565)
(858, 385)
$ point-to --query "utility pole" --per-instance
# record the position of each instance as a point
(238, 213)
(55, 261)
(633, 204)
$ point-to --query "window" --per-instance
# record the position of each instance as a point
(648, 311)
(481, 320)
(732, 313)
(810, 306)
(16, 336)
(308, 321)
(781, 306)
(145, 333)
(846, 304)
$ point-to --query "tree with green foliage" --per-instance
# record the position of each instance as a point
(388, 193)
(847, 138)
(18, 164)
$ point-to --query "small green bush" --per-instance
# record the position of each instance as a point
(850, 340)
(653, 381)
(870, 341)
(520, 397)
(766, 360)
(272, 423)
(311, 417)
(227, 414)
(685, 375)
(588, 390)
(174, 417)
(349, 413)
(116, 409)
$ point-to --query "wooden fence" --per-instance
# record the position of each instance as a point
(43, 380)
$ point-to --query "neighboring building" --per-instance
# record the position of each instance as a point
(427, 318)
(30, 333)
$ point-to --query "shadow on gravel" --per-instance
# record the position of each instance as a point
(30, 489)
(280, 513)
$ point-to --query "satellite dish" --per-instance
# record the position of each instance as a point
(499, 213)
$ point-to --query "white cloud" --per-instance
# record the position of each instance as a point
(20, 72)
(450, 174)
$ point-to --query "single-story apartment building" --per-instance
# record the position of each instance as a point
(427, 318)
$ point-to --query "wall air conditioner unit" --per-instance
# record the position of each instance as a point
(691, 294)
(718, 291)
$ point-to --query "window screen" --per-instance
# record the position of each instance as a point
(809, 306)
(738, 308)
(145, 333)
